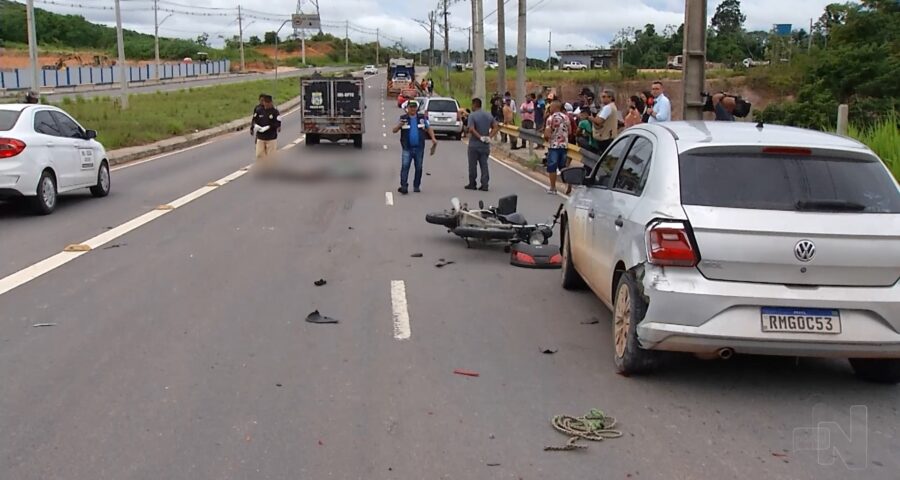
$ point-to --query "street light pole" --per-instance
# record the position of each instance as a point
(277, 32)
(156, 38)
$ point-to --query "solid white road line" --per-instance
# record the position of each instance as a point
(29, 273)
(400, 309)
(388, 198)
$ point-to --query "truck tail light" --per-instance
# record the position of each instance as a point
(10, 147)
(670, 244)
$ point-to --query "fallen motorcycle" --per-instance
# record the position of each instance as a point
(527, 243)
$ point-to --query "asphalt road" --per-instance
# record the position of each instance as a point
(180, 349)
(168, 87)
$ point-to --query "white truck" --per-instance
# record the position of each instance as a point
(574, 65)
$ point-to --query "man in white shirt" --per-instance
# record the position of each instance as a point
(662, 107)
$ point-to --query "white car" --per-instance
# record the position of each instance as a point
(370, 70)
(44, 152)
(719, 238)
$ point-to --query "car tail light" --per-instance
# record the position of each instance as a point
(669, 243)
(10, 147)
(458, 116)
(787, 151)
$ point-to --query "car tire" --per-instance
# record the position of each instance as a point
(629, 309)
(357, 141)
(45, 201)
(571, 279)
(442, 218)
(103, 181)
(458, 136)
(877, 370)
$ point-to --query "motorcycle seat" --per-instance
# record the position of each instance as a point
(514, 218)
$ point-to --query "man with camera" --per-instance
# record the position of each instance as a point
(726, 106)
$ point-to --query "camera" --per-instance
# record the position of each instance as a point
(741, 106)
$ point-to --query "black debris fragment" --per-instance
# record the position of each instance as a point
(44, 325)
(320, 282)
(416, 255)
(316, 317)
(277, 384)
(592, 321)
(443, 263)
(548, 351)
(493, 464)
(115, 245)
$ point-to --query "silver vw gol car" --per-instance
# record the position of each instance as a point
(724, 238)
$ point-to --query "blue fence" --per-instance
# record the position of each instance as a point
(20, 78)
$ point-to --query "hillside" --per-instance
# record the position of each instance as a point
(57, 33)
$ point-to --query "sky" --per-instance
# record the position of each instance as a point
(574, 23)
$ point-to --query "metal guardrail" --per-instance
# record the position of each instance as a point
(574, 152)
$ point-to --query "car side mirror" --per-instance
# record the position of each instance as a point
(90, 134)
(573, 176)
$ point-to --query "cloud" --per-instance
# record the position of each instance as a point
(579, 23)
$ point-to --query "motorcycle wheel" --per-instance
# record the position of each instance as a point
(484, 233)
(442, 218)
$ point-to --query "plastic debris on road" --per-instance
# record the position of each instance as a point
(316, 317)
(44, 325)
(467, 373)
(320, 282)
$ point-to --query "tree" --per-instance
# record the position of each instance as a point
(728, 18)
(254, 41)
(203, 40)
(269, 38)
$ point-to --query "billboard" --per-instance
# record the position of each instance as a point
(783, 29)
(302, 21)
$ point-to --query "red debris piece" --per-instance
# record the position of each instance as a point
(467, 373)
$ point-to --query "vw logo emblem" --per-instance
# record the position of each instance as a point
(805, 250)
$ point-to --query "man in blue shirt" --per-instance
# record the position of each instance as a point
(413, 127)
(662, 107)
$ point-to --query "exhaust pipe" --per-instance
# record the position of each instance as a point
(725, 353)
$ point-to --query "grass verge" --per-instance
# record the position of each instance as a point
(156, 116)
(884, 139)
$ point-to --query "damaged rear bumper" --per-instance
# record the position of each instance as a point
(690, 313)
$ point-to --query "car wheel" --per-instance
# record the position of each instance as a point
(45, 200)
(103, 182)
(878, 370)
(628, 310)
(571, 279)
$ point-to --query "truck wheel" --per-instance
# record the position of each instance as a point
(312, 139)
(357, 141)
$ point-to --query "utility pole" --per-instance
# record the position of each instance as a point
(303, 46)
(377, 45)
(446, 49)
(347, 42)
(694, 59)
(501, 47)
(809, 44)
(521, 55)
(241, 33)
(431, 19)
(478, 67)
(32, 48)
(550, 52)
(156, 38)
(469, 47)
(122, 66)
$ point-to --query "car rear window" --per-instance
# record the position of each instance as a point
(8, 118)
(442, 106)
(787, 182)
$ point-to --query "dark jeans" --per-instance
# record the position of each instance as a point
(412, 155)
(478, 157)
(603, 144)
(528, 125)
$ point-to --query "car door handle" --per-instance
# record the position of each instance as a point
(619, 222)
